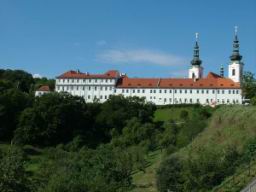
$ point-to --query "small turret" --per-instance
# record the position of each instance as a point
(222, 70)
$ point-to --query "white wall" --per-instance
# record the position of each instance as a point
(102, 89)
(197, 71)
(238, 67)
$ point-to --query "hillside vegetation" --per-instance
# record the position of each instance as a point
(214, 155)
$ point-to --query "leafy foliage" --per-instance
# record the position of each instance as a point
(13, 177)
(249, 85)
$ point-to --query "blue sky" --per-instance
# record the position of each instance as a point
(148, 38)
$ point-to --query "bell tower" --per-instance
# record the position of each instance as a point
(235, 68)
(196, 70)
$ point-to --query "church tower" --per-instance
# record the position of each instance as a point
(235, 68)
(196, 70)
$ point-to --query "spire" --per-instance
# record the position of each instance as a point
(196, 59)
(221, 71)
(235, 55)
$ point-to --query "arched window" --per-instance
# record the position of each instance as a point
(233, 72)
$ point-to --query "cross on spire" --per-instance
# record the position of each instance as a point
(236, 30)
(197, 36)
(235, 55)
(196, 59)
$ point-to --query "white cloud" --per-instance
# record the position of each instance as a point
(37, 76)
(142, 56)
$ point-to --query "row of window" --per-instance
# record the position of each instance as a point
(178, 101)
(95, 97)
(202, 91)
(85, 80)
(208, 101)
(181, 91)
(89, 88)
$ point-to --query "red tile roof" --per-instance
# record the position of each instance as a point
(78, 75)
(44, 88)
(211, 81)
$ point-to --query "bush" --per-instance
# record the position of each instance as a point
(169, 174)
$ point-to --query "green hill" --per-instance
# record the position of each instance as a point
(218, 154)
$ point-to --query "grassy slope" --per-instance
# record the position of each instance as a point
(165, 114)
(230, 126)
(145, 182)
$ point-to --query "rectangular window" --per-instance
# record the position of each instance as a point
(180, 91)
(138, 91)
(143, 90)
(197, 91)
(133, 90)
(127, 90)
(190, 90)
(154, 91)
(165, 91)
(170, 91)
(160, 91)
(213, 91)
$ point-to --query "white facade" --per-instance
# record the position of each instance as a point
(100, 90)
(235, 71)
(161, 96)
(90, 89)
(40, 93)
(195, 72)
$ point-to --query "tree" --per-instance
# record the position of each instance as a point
(116, 111)
(12, 103)
(18, 78)
(53, 119)
(13, 177)
(249, 85)
(103, 169)
(169, 174)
